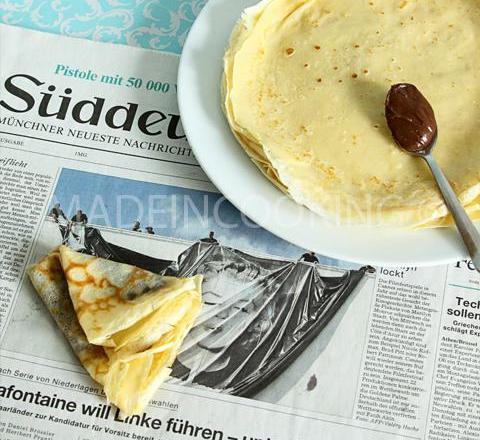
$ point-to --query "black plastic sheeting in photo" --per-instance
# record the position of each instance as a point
(259, 314)
(94, 244)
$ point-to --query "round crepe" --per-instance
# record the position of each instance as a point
(304, 89)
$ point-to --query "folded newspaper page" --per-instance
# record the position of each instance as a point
(289, 345)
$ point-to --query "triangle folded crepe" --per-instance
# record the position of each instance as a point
(126, 325)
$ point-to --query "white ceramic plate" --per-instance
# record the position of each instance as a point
(232, 172)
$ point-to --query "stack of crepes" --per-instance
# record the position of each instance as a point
(304, 88)
(125, 324)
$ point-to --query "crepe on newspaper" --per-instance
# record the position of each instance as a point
(304, 88)
(125, 324)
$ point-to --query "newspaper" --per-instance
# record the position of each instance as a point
(93, 155)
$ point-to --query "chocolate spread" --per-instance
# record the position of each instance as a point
(410, 118)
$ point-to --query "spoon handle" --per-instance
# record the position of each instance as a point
(467, 229)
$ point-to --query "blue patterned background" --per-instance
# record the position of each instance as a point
(152, 24)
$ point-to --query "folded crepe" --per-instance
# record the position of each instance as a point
(126, 325)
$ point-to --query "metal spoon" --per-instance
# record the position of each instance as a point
(412, 122)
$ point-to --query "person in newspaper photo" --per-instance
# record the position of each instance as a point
(210, 239)
(136, 226)
(56, 212)
(80, 218)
